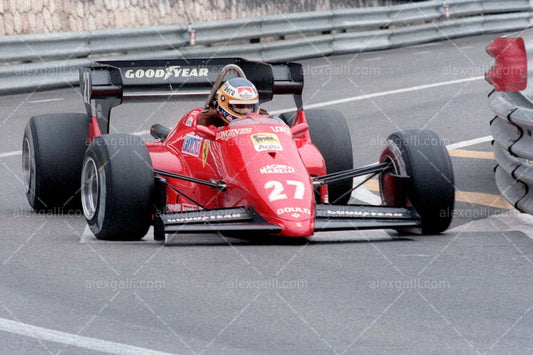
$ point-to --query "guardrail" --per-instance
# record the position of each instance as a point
(512, 127)
(51, 60)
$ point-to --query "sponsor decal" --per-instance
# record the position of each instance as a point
(278, 190)
(226, 115)
(205, 152)
(245, 92)
(277, 169)
(182, 207)
(188, 123)
(204, 218)
(230, 133)
(192, 145)
(174, 71)
(173, 207)
(188, 207)
(281, 129)
(230, 90)
(293, 211)
(365, 214)
(266, 141)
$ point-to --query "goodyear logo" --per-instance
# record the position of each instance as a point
(192, 145)
(266, 141)
(366, 214)
(174, 71)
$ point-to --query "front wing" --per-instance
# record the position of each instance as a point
(327, 218)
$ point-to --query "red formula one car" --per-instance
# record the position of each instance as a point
(285, 176)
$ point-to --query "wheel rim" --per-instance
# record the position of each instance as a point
(89, 188)
(27, 164)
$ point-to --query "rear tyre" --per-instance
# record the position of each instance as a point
(52, 154)
(117, 184)
(422, 177)
(330, 134)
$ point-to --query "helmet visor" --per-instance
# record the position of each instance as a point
(244, 109)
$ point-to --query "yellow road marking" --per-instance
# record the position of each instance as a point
(478, 198)
(372, 185)
(462, 153)
(496, 201)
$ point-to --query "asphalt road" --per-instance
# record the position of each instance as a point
(466, 291)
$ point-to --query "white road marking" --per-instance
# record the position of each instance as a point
(468, 143)
(363, 194)
(341, 101)
(457, 145)
(105, 346)
(46, 100)
(385, 93)
(10, 154)
(141, 133)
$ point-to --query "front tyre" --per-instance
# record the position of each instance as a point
(117, 183)
(421, 177)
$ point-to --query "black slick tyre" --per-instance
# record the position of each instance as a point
(53, 147)
(421, 177)
(117, 184)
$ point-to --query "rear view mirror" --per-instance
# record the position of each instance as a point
(299, 129)
(206, 132)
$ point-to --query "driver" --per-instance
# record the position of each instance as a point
(236, 98)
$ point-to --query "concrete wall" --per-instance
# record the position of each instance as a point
(42, 16)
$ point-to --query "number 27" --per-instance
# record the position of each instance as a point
(278, 190)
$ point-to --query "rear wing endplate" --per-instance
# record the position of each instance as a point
(107, 84)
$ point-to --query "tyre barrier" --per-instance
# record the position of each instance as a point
(512, 126)
(513, 142)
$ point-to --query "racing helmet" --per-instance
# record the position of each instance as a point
(237, 98)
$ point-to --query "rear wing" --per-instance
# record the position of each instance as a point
(107, 84)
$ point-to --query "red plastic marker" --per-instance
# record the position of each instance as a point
(510, 70)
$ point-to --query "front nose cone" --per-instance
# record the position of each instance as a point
(295, 229)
